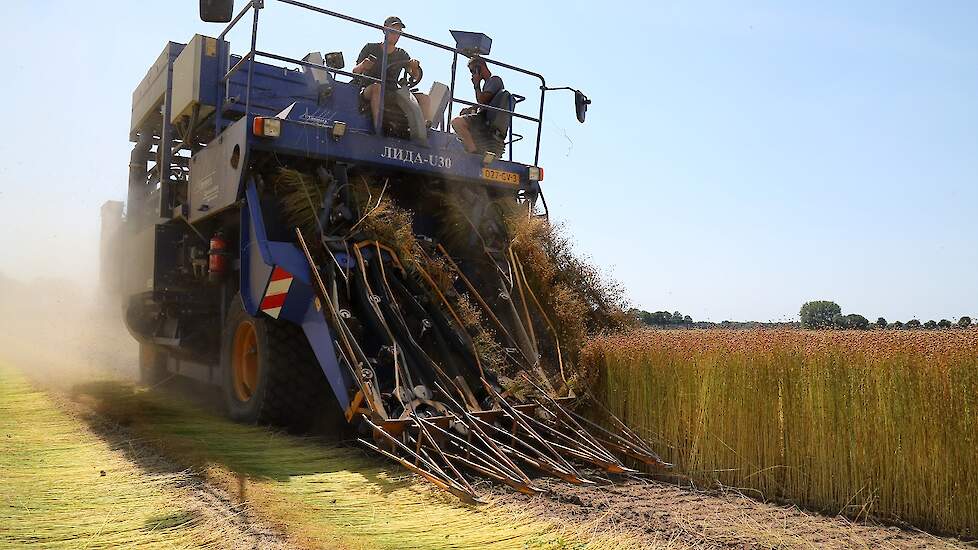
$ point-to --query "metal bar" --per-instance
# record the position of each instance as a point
(570, 420)
(379, 123)
(542, 463)
(373, 401)
(403, 34)
(500, 109)
(422, 453)
(222, 58)
(163, 149)
(518, 417)
(512, 107)
(251, 63)
(451, 91)
(234, 21)
(424, 431)
(312, 65)
(435, 480)
(237, 66)
(461, 326)
(543, 82)
(543, 96)
(484, 456)
(526, 490)
(473, 423)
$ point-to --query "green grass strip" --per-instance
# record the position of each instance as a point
(53, 493)
(327, 496)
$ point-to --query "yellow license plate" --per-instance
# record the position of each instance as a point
(511, 178)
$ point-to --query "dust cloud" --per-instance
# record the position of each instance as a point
(63, 332)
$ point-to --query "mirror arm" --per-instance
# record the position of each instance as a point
(581, 101)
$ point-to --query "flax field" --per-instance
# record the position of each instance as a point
(865, 424)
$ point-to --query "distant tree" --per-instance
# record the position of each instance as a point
(819, 314)
(661, 318)
(677, 318)
(930, 325)
(687, 320)
(944, 323)
(881, 323)
(637, 315)
(840, 321)
(897, 325)
(964, 322)
(856, 321)
(913, 323)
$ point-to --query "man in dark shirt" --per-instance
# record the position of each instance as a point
(369, 60)
(472, 125)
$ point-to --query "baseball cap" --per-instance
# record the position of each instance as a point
(394, 20)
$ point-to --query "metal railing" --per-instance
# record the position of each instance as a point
(248, 59)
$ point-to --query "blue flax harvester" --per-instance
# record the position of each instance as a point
(243, 260)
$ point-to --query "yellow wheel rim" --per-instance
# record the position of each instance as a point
(244, 361)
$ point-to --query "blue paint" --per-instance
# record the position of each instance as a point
(259, 256)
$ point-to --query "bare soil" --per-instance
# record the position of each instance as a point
(656, 511)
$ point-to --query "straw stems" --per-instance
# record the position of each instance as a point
(878, 423)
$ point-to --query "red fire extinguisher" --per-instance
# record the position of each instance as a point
(217, 261)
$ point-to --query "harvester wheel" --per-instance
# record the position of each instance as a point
(152, 365)
(270, 373)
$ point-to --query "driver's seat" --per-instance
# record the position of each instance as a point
(497, 124)
(411, 110)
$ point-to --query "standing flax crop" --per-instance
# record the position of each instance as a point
(882, 423)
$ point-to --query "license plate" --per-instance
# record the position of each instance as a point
(511, 178)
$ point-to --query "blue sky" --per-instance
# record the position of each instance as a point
(738, 160)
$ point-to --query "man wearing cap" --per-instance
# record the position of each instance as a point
(369, 60)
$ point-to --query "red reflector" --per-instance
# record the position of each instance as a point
(541, 173)
(259, 126)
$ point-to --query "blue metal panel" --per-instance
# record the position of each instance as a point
(272, 88)
(258, 258)
(255, 270)
(307, 133)
(210, 67)
(444, 157)
(472, 42)
(321, 339)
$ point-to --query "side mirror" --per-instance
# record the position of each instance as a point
(580, 103)
(334, 60)
(216, 11)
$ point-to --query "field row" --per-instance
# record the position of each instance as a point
(316, 495)
(63, 487)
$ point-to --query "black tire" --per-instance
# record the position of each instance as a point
(289, 390)
(152, 365)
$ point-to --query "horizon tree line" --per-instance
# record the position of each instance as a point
(825, 314)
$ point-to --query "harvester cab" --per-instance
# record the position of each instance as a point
(284, 246)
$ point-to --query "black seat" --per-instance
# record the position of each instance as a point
(493, 137)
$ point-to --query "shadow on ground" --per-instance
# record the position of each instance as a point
(190, 432)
